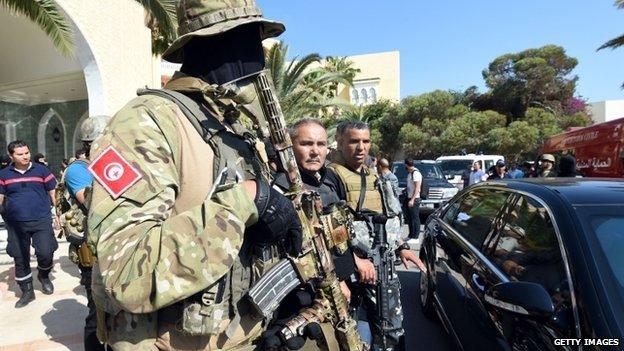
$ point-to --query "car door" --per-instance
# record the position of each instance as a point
(461, 232)
(524, 247)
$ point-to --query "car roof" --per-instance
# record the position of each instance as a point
(431, 162)
(576, 191)
(471, 157)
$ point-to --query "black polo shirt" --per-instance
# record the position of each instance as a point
(26, 195)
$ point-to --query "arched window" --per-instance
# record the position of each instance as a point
(364, 96)
(373, 95)
(355, 97)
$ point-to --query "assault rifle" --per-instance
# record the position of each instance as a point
(321, 234)
(383, 257)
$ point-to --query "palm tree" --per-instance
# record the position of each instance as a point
(341, 65)
(47, 15)
(615, 42)
(303, 85)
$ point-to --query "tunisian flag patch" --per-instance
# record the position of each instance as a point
(113, 172)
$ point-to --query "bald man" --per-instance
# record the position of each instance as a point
(386, 173)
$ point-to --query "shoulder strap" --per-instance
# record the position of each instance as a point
(362, 190)
(202, 120)
(207, 125)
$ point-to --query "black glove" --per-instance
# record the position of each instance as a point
(278, 221)
(273, 340)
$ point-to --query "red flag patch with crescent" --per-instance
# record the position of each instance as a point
(113, 172)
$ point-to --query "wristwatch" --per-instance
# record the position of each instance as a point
(404, 246)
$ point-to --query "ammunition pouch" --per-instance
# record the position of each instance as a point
(80, 254)
(203, 312)
(73, 224)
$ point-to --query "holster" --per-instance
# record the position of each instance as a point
(203, 312)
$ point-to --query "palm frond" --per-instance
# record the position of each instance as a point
(613, 43)
(295, 73)
(162, 22)
(275, 63)
(49, 18)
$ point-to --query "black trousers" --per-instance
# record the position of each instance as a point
(413, 218)
(91, 341)
(40, 235)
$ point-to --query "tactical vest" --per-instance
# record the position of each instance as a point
(73, 220)
(352, 182)
(238, 156)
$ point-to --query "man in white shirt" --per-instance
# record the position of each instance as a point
(477, 175)
(414, 182)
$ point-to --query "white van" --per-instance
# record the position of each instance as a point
(454, 166)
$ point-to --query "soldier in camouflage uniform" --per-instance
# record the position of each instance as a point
(176, 211)
(71, 194)
(355, 183)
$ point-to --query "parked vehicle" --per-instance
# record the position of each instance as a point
(514, 265)
(454, 167)
(435, 191)
(598, 149)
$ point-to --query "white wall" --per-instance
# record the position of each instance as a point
(603, 111)
(120, 59)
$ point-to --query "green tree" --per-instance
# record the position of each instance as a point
(436, 104)
(48, 16)
(301, 87)
(516, 142)
(545, 121)
(414, 140)
(470, 131)
(618, 41)
(534, 77)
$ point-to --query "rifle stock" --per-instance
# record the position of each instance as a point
(321, 232)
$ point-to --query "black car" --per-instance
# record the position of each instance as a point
(522, 264)
(436, 189)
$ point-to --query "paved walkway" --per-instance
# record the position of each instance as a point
(51, 322)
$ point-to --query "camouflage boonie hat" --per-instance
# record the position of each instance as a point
(203, 18)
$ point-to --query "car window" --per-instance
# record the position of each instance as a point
(604, 227)
(454, 167)
(527, 249)
(488, 164)
(430, 171)
(472, 216)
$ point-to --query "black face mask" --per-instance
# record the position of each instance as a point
(225, 57)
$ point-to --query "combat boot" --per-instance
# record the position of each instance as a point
(46, 285)
(28, 295)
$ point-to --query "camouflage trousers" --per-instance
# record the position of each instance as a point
(390, 324)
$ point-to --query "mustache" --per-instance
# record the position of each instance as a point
(315, 159)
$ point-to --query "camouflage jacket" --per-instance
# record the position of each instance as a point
(162, 240)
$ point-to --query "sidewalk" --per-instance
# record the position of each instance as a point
(51, 322)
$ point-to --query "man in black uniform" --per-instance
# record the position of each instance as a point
(309, 139)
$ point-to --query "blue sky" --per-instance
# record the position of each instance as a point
(446, 44)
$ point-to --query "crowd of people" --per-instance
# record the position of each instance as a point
(545, 167)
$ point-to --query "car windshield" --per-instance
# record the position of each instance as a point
(430, 171)
(605, 224)
(454, 167)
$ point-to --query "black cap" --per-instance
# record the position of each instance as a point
(500, 163)
(409, 162)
